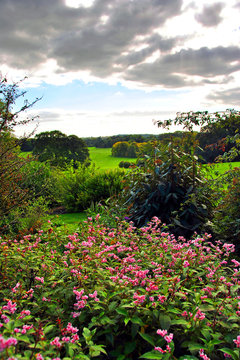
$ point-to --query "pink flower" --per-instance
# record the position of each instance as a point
(203, 356)
(39, 357)
(186, 264)
(6, 343)
(160, 349)
(162, 332)
(71, 329)
(41, 279)
(56, 342)
(11, 307)
(237, 341)
(168, 338)
(24, 313)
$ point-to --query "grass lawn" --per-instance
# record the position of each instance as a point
(69, 221)
(215, 170)
(104, 160)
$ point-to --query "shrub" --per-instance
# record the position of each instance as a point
(226, 219)
(117, 294)
(170, 185)
(85, 186)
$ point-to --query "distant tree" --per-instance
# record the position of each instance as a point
(59, 149)
(120, 149)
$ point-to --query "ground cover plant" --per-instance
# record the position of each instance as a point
(119, 294)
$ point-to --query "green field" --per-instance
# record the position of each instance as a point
(103, 159)
(215, 170)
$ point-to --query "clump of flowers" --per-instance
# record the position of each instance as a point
(112, 292)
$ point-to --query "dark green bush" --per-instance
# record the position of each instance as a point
(171, 186)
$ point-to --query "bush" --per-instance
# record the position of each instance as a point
(125, 164)
(170, 185)
(84, 186)
(226, 219)
(118, 294)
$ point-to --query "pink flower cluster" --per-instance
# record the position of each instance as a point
(203, 356)
(6, 343)
(10, 307)
(167, 337)
(237, 341)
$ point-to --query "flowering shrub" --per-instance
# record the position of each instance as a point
(118, 293)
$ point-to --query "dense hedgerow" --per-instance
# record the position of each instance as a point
(118, 294)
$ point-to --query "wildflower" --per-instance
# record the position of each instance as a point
(41, 279)
(6, 343)
(202, 355)
(168, 338)
(11, 307)
(162, 332)
(39, 357)
(24, 313)
(160, 349)
(237, 341)
(56, 342)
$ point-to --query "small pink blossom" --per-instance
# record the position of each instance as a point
(41, 279)
(10, 307)
(56, 342)
(237, 341)
(162, 332)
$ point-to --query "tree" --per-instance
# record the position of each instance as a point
(60, 149)
(12, 191)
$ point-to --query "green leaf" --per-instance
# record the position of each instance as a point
(154, 355)
(122, 312)
(165, 322)
(137, 320)
(148, 338)
(48, 328)
(121, 357)
(129, 347)
(24, 338)
(194, 346)
(234, 354)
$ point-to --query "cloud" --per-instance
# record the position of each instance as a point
(173, 70)
(115, 40)
(210, 15)
(229, 96)
(32, 32)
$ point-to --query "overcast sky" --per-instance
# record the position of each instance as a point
(107, 67)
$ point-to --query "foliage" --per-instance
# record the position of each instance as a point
(219, 131)
(226, 219)
(170, 185)
(226, 186)
(13, 194)
(59, 149)
(125, 164)
(118, 294)
(79, 188)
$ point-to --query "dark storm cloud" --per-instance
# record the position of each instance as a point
(33, 31)
(230, 96)
(210, 15)
(172, 70)
(111, 36)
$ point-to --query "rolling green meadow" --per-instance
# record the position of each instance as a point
(104, 160)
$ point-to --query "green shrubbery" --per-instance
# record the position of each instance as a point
(80, 188)
(118, 294)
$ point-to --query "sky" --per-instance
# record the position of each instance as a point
(108, 67)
